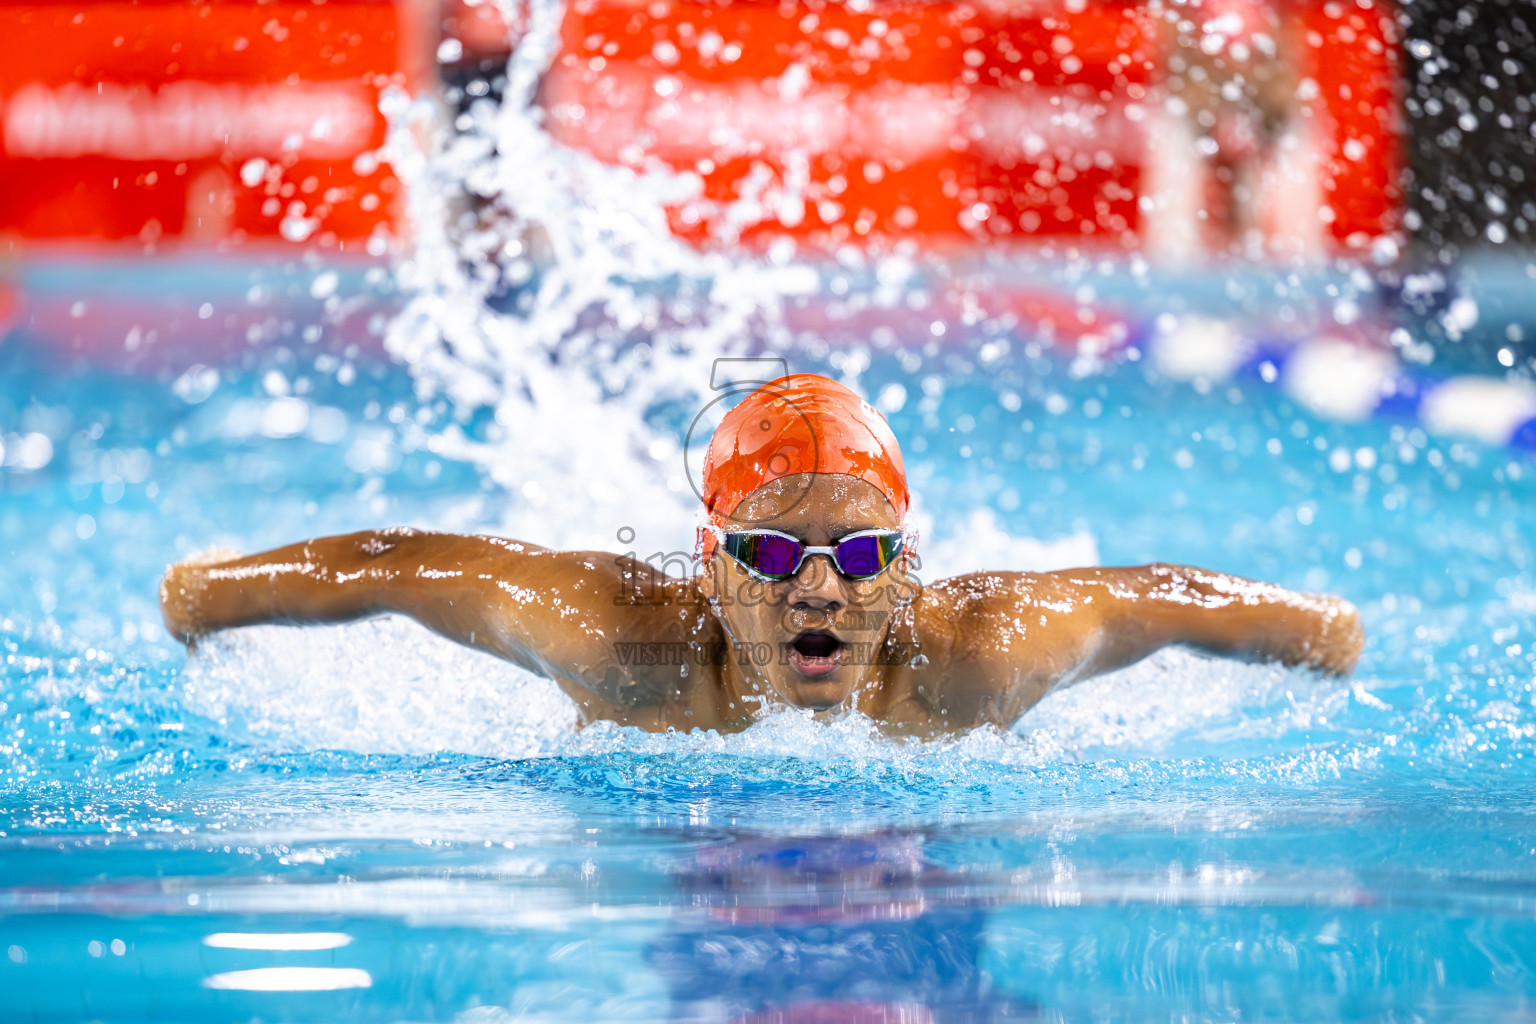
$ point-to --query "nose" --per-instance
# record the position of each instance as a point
(818, 587)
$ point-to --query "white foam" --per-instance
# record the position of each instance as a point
(619, 316)
(384, 686)
(1146, 707)
(388, 686)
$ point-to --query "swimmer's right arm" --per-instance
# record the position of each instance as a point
(550, 612)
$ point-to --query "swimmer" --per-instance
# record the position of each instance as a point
(807, 597)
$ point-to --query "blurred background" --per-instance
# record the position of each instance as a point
(1326, 198)
(159, 153)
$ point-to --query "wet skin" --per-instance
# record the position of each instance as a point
(633, 645)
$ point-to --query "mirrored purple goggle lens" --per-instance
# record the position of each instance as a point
(862, 557)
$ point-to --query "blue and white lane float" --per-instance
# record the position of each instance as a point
(1350, 380)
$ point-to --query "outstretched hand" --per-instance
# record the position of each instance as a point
(181, 589)
(1335, 644)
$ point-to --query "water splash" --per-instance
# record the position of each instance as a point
(547, 290)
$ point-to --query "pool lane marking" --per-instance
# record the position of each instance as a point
(290, 979)
(1342, 380)
(278, 940)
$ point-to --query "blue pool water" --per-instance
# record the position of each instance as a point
(364, 823)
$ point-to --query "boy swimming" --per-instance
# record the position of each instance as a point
(806, 597)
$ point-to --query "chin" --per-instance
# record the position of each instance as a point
(818, 696)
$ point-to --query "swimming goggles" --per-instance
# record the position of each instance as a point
(775, 556)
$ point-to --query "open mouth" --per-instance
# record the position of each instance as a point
(815, 653)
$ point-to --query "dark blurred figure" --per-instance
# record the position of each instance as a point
(1234, 161)
(1470, 188)
(1470, 96)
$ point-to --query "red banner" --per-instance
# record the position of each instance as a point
(974, 122)
(212, 122)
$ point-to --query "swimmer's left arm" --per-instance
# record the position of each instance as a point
(1020, 635)
(1151, 607)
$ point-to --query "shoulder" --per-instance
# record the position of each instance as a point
(981, 596)
(941, 640)
(973, 616)
(990, 644)
(650, 647)
(598, 608)
(529, 573)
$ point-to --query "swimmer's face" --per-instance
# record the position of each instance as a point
(819, 633)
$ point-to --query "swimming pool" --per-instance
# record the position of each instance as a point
(364, 823)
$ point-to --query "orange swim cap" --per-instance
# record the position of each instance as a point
(803, 423)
